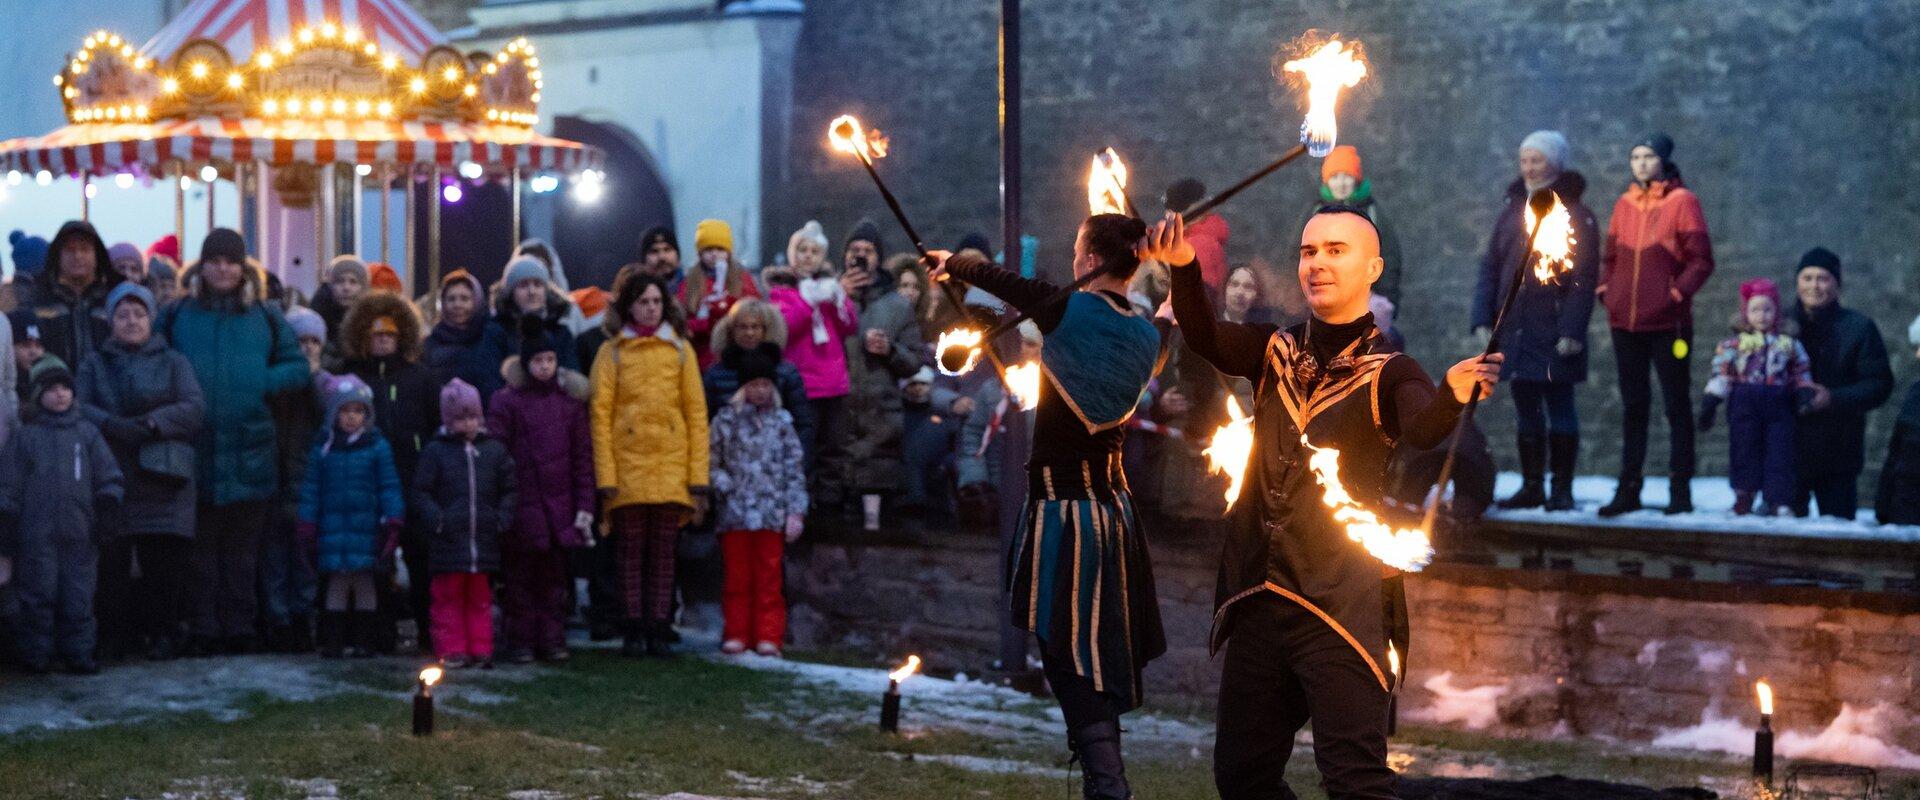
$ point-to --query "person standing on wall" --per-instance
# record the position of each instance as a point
(1851, 377)
(1657, 258)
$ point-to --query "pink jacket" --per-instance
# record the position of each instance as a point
(823, 365)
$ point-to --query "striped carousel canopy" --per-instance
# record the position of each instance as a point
(244, 27)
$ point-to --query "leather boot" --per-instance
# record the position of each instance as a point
(634, 641)
(364, 630)
(1103, 771)
(1742, 503)
(1679, 495)
(659, 639)
(1626, 498)
(1563, 456)
(330, 634)
(1533, 468)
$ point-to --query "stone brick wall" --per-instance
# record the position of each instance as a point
(1798, 124)
(1547, 652)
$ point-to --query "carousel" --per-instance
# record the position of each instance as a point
(311, 112)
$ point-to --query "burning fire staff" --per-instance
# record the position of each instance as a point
(1305, 612)
(1078, 572)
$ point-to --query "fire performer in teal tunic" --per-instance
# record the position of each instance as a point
(1078, 573)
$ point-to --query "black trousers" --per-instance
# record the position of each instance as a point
(1634, 353)
(226, 554)
(1837, 493)
(1283, 668)
(1079, 702)
(135, 610)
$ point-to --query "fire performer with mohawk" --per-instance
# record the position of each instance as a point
(1078, 573)
(1305, 612)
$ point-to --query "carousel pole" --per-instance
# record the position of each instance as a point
(406, 183)
(210, 184)
(433, 230)
(322, 209)
(513, 233)
(180, 204)
(386, 202)
(86, 199)
(359, 211)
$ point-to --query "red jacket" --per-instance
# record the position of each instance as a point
(1656, 242)
(705, 305)
(1208, 235)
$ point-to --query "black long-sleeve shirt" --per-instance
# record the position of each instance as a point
(1059, 436)
(1413, 410)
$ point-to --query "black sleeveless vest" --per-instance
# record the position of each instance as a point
(1281, 537)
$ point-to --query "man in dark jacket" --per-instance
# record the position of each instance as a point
(243, 352)
(68, 299)
(1850, 378)
(1545, 334)
(1898, 501)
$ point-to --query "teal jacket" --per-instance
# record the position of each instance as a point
(242, 351)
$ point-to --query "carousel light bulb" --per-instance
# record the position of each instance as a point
(363, 170)
(91, 41)
(386, 109)
(185, 183)
(491, 68)
(502, 58)
(351, 35)
(533, 63)
(451, 192)
(59, 79)
(92, 190)
(84, 55)
(329, 31)
(142, 63)
(113, 40)
(450, 74)
(71, 92)
(265, 60)
(390, 63)
(470, 90)
(123, 180)
(198, 70)
(535, 97)
(418, 85)
(285, 47)
(209, 174)
(140, 112)
(169, 86)
(43, 177)
(339, 106)
(371, 49)
(306, 36)
(14, 177)
(316, 106)
(235, 80)
(362, 108)
(270, 107)
(470, 170)
(126, 51)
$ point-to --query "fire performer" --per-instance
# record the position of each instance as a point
(1305, 612)
(1078, 571)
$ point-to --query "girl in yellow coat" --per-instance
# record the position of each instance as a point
(649, 452)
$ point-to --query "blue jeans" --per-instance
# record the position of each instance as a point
(1545, 406)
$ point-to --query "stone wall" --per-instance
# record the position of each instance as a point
(1797, 123)
(1517, 652)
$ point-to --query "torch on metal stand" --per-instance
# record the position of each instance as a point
(890, 702)
(1540, 202)
(423, 701)
(1763, 737)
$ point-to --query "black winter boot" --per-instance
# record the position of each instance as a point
(1533, 468)
(634, 641)
(331, 634)
(660, 637)
(365, 633)
(1679, 495)
(1103, 771)
(300, 639)
(1626, 498)
(1563, 455)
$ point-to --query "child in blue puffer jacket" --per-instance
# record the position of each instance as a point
(351, 505)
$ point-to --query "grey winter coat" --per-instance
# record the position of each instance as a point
(56, 468)
(137, 395)
(873, 407)
(758, 469)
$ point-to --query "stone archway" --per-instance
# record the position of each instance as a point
(596, 238)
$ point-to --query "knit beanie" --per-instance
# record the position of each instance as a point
(124, 251)
(1552, 144)
(1823, 258)
(458, 400)
(810, 232)
(866, 231)
(343, 389)
(1184, 193)
(523, 269)
(46, 373)
(1758, 287)
(348, 265)
(382, 277)
(25, 327)
(224, 244)
(307, 323)
(974, 240)
(1345, 158)
(168, 245)
(1660, 143)
(461, 276)
(655, 235)
(29, 254)
(533, 340)
(712, 233)
(160, 267)
(129, 289)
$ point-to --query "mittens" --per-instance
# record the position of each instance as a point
(795, 524)
(389, 540)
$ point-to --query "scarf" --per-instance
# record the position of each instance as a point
(821, 293)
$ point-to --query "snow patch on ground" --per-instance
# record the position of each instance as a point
(981, 764)
(1475, 709)
(315, 788)
(1713, 510)
(1855, 736)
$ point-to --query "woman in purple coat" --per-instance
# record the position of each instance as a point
(542, 416)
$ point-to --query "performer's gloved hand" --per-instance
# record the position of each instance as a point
(1481, 370)
(1709, 408)
(1166, 242)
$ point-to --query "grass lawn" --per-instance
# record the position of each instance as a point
(611, 727)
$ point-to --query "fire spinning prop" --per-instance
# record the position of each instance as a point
(1763, 738)
(847, 136)
(1405, 549)
(1393, 695)
(423, 701)
(1107, 186)
(890, 702)
(1231, 448)
(1024, 381)
(1553, 254)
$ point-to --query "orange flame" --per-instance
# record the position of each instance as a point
(1406, 549)
(1232, 446)
(957, 350)
(1024, 380)
(1393, 660)
(1554, 244)
(1331, 67)
(906, 670)
(431, 675)
(846, 136)
(1765, 692)
(1107, 184)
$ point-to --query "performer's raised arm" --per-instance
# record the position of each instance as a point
(1233, 348)
(1029, 296)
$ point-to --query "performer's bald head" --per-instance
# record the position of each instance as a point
(1339, 261)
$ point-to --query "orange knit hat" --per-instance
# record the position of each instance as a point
(1344, 158)
(382, 276)
(592, 301)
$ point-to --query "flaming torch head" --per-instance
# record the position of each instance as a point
(1107, 184)
(906, 670)
(1329, 68)
(1231, 448)
(1764, 691)
(1553, 247)
(1405, 549)
(1393, 660)
(847, 136)
(430, 676)
(1024, 380)
(959, 350)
